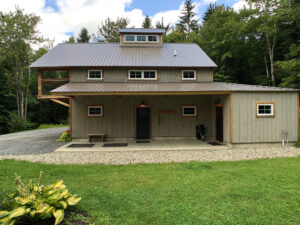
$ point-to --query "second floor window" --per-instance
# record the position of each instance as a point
(141, 38)
(95, 75)
(142, 74)
(188, 75)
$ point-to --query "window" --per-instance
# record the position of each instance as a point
(189, 110)
(141, 38)
(129, 38)
(94, 74)
(142, 75)
(152, 38)
(94, 111)
(188, 75)
(264, 109)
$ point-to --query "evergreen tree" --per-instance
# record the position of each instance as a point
(161, 25)
(83, 36)
(147, 22)
(70, 40)
(187, 21)
(210, 10)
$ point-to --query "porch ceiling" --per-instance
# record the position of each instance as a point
(152, 88)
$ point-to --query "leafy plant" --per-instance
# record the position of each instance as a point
(35, 203)
(65, 137)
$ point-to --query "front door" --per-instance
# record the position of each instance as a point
(219, 123)
(143, 122)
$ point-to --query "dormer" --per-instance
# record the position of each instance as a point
(141, 37)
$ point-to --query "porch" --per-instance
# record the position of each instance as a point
(155, 145)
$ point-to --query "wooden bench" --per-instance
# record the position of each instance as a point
(103, 136)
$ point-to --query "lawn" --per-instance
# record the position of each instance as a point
(246, 192)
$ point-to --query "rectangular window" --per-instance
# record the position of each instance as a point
(141, 38)
(130, 38)
(265, 109)
(152, 38)
(189, 75)
(189, 110)
(94, 74)
(142, 75)
(95, 110)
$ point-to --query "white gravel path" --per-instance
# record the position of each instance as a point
(237, 152)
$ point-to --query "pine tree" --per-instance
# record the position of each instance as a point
(161, 25)
(84, 36)
(187, 21)
(210, 10)
(147, 22)
(109, 30)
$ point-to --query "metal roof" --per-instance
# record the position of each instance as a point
(153, 87)
(112, 54)
(142, 30)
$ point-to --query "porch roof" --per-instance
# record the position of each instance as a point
(105, 88)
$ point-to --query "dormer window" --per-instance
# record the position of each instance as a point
(152, 38)
(188, 75)
(94, 75)
(141, 38)
(130, 38)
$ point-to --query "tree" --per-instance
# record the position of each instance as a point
(109, 30)
(161, 25)
(17, 32)
(269, 14)
(147, 22)
(83, 36)
(187, 21)
(210, 10)
(71, 40)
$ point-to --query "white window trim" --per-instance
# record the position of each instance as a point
(88, 77)
(143, 78)
(195, 75)
(95, 106)
(265, 115)
(130, 35)
(136, 41)
(189, 106)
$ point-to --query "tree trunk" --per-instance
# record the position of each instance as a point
(271, 56)
(267, 69)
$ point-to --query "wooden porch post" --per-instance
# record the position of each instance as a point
(40, 86)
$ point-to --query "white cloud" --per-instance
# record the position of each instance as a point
(240, 5)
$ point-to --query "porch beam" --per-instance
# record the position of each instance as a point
(61, 102)
(55, 79)
(52, 97)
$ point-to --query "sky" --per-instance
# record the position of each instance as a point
(63, 18)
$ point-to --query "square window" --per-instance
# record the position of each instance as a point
(129, 38)
(135, 74)
(189, 110)
(95, 111)
(265, 110)
(95, 74)
(189, 75)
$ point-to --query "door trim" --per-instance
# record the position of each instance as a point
(142, 106)
(219, 105)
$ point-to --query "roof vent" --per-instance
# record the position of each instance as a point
(175, 53)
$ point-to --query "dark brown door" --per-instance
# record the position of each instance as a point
(143, 123)
(219, 123)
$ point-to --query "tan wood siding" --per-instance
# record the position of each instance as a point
(120, 75)
(248, 128)
(118, 120)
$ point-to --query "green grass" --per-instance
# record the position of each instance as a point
(46, 126)
(247, 192)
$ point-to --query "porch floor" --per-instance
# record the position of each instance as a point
(156, 145)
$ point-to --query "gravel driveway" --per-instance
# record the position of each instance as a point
(31, 142)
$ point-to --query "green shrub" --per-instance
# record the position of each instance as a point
(16, 124)
(65, 137)
(35, 204)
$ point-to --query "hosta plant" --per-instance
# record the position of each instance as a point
(35, 203)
